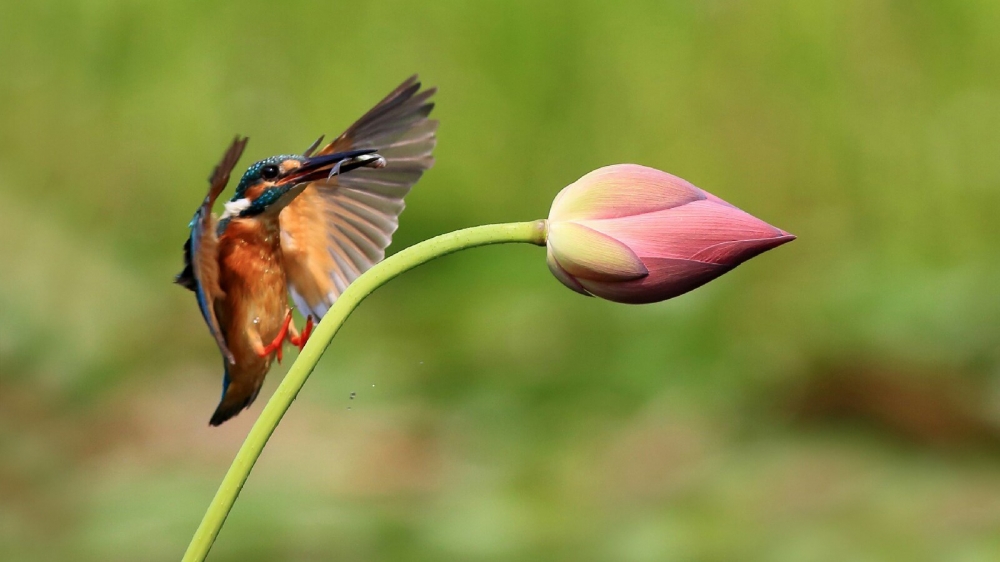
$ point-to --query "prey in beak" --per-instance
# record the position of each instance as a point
(325, 167)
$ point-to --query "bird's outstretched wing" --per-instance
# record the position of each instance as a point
(338, 228)
(201, 259)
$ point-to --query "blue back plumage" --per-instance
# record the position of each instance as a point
(197, 226)
(201, 272)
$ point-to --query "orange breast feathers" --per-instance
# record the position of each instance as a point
(251, 275)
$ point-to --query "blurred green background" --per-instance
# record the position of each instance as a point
(835, 399)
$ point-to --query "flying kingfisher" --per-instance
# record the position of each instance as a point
(305, 224)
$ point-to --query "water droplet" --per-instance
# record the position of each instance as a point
(353, 394)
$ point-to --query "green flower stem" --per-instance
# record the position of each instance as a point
(380, 274)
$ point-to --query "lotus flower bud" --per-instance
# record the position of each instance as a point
(633, 234)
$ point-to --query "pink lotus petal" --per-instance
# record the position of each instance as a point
(683, 232)
(711, 197)
(620, 191)
(667, 279)
(588, 254)
(562, 276)
(737, 252)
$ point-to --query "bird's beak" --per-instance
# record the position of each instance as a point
(322, 167)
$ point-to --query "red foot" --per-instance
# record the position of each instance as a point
(300, 341)
(275, 346)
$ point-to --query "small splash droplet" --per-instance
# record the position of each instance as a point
(348, 408)
(373, 386)
(353, 394)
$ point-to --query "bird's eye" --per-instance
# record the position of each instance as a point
(269, 172)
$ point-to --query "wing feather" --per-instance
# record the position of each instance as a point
(201, 251)
(338, 228)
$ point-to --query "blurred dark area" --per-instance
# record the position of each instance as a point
(924, 409)
(837, 398)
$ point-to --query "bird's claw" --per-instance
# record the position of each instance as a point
(300, 340)
(279, 340)
(288, 332)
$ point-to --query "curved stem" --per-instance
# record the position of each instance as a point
(378, 275)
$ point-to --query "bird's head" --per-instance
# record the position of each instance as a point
(271, 184)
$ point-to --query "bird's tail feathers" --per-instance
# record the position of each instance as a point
(235, 399)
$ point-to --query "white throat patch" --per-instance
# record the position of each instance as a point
(234, 208)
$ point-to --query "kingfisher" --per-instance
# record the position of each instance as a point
(300, 225)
